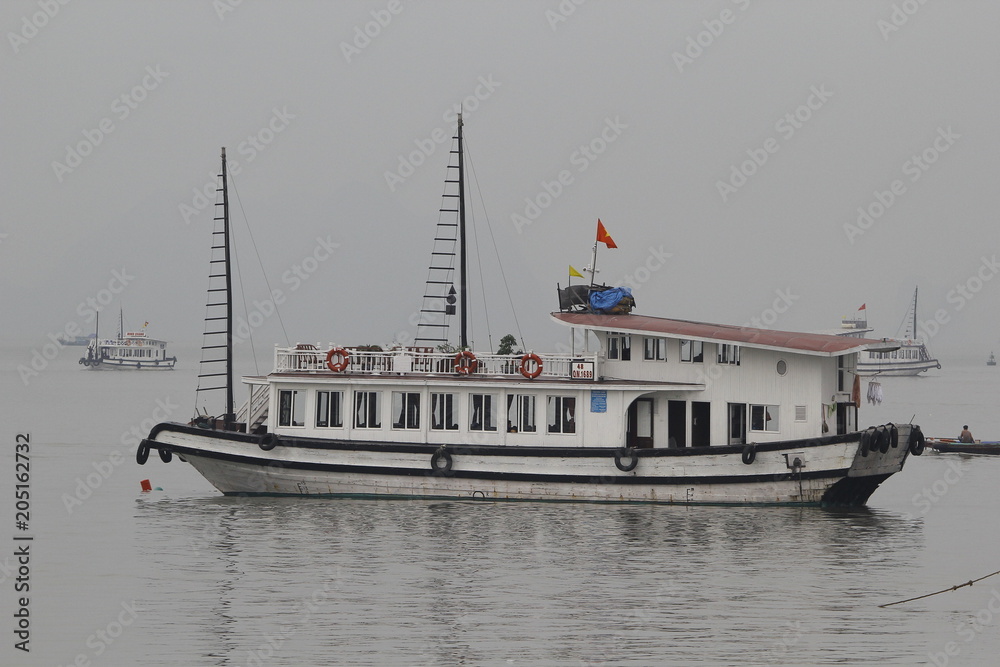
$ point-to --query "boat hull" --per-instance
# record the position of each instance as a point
(115, 365)
(900, 369)
(835, 470)
(949, 446)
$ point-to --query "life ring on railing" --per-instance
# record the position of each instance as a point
(916, 441)
(268, 441)
(531, 375)
(749, 453)
(465, 362)
(342, 355)
(626, 459)
(441, 461)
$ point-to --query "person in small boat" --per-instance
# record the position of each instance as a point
(966, 435)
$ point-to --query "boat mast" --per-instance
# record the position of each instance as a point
(463, 342)
(915, 313)
(227, 420)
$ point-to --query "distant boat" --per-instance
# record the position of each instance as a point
(131, 350)
(954, 446)
(910, 356)
(992, 361)
(77, 340)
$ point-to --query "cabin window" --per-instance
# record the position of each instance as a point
(329, 409)
(405, 409)
(654, 349)
(729, 354)
(291, 408)
(482, 412)
(366, 409)
(620, 346)
(764, 418)
(560, 414)
(520, 413)
(692, 351)
(443, 412)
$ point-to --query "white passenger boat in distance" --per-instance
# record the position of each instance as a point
(650, 410)
(131, 350)
(909, 355)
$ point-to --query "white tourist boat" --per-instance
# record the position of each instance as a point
(131, 350)
(647, 410)
(909, 356)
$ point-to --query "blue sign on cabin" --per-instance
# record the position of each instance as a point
(599, 400)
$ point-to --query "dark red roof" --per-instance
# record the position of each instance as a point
(810, 343)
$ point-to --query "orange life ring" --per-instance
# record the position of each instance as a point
(465, 362)
(531, 356)
(340, 365)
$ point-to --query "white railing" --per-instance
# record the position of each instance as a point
(312, 359)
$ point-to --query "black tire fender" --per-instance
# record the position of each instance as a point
(886, 439)
(441, 461)
(142, 454)
(917, 441)
(893, 436)
(165, 455)
(626, 459)
(749, 453)
(268, 441)
(866, 442)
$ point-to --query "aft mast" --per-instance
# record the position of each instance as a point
(463, 281)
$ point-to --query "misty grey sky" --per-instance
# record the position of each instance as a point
(727, 147)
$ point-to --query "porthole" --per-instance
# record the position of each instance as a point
(782, 367)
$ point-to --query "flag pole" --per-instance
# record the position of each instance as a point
(593, 267)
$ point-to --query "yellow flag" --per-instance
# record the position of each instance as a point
(574, 272)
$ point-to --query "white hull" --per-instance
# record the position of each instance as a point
(897, 368)
(833, 470)
(113, 365)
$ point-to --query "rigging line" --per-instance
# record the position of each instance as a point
(955, 587)
(243, 295)
(489, 227)
(482, 283)
(270, 292)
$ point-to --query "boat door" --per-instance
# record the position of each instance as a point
(737, 423)
(639, 423)
(676, 423)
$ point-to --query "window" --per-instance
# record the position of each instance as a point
(291, 409)
(366, 409)
(443, 412)
(561, 414)
(764, 418)
(520, 413)
(654, 349)
(405, 409)
(482, 412)
(800, 413)
(619, 346)
(729, 354)
(693, 351)
(329, 409)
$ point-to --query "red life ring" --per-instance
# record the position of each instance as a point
(465, 362)
(342, 354)
(531, 356)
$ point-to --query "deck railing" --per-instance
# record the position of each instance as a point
(312, 359)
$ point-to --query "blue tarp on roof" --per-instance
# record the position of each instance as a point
(608, 299)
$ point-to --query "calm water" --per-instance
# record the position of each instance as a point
(207, 580)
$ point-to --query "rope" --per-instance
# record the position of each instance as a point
(953, 588)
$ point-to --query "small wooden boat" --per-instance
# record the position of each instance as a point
(954, 446)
